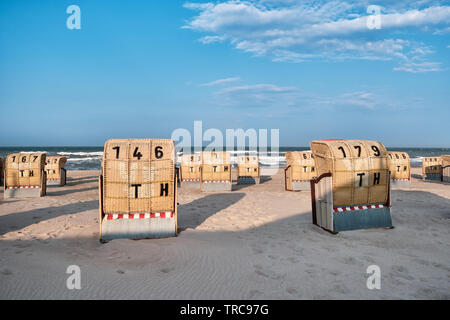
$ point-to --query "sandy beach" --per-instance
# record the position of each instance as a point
(256, 242)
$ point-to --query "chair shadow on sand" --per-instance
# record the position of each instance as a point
(236, 186)
(296, 242)
(53, 192)
(19, 220)
(78, 181)
(419, 177)
(193, 214)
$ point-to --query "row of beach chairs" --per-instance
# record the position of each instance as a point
(350, 182)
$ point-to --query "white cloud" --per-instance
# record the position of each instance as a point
(220, 82)
(420, 67)
(258, 95)
(274, 97)
(295, 31)
(211, 39)
(442, 31)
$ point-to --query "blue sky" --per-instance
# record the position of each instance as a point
(140, 69)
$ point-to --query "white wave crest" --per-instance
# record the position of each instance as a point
(84, 159)
(99, 153)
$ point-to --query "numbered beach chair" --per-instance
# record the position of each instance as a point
(352, 190)
(216, 171)
(445, 169)
(431, 168)
(300, 169)
(248, 169)
(399, 169)
(56, 174)
(191, 169)
(25, 176)
(138, 195)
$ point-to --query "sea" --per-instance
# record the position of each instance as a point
(89, 158)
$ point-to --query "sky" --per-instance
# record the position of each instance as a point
(141, 69)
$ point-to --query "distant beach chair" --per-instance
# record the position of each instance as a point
(216, 171)
(56, 173)
(431, 168)
(25, 176)
(300, 169)
(190, 169)
(248, 169)
(399, 169)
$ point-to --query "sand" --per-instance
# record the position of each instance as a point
(256, 242)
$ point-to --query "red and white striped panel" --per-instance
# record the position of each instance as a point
(24, 187)
(191, 180)
(133, 216)
(356, 208)
(217, 181)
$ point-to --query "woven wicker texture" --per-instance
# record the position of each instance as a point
(445, 160)
(248, 166)
(399, 165)
(431, 165)
(53, 166)
(24, 169)
(191, 166)
(216, 166)
(359, 168)
(138, 176)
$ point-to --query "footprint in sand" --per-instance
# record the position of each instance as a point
(254, 293)
(352, 261)
(166, 270)
(259, 270)
(341, 288)
(402, 272)
(22, 245)
(369, 259)
(294, 292)
(422, 262)
(120, 272)
(440, 266)
(293, 259)
(297, 250)
(6, 272)
(257, 249)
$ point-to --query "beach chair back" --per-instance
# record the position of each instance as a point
(138, 189)
(25, 175)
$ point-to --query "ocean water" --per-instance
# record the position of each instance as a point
(89, 158)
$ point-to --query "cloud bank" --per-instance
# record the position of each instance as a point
(298, 31)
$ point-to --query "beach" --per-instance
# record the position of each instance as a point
(256, 242)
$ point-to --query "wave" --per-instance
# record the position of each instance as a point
(97, 153)
(33, 152)
(84, 159)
